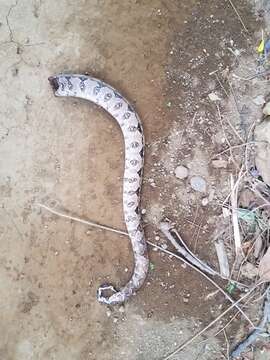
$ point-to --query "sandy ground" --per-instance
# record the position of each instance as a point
(68, 154)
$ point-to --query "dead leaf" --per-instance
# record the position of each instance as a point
(264, 267)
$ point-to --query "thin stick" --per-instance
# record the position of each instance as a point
(221, 85)
(236, 230)
(222, 258)
(86, 222)
(228, 345)
(257, 332)
(189, 341)
(205, 276)
(195, 224)
(226, 138)
(103, 227)
(183, 249)
(231, 320)
(266, 72)
(237, 146)
(238, 15)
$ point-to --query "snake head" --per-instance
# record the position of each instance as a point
(104, 293)
(107, 294)
(63, 85)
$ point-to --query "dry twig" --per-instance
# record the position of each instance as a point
(238, 15)
(236, 230)
(153, 245)
(257, 332)
(85, 222)
(189, 341)
(222, 258)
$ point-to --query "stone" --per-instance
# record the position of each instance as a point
(266, 109)
(181, 172)
(205, 201)
(262, 137)
(198, 184)
(214, 97)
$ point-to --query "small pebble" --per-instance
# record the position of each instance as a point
(185, 300)
(198, 184)
(214, 97)
(205, 201)
(143, 211)
(121, 309)
(266, 109)
(181, 172)
(108, 313)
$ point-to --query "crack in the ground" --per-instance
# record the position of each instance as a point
(11, 35)
(19, 46)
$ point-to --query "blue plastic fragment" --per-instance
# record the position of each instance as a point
(267, 47)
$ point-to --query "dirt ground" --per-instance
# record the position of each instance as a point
(67, 154)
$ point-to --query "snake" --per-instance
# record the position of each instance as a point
(108, 98)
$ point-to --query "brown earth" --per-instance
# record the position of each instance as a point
(68, 154)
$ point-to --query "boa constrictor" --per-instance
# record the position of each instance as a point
(118, 107)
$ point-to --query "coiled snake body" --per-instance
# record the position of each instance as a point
(115, 104)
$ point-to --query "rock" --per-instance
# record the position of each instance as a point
(259, 100)
(181, 172)
(214, 97)
(262, 136)
(266, 109)
(205, 201)
(226, 212)
(218, 164)
(198, 184)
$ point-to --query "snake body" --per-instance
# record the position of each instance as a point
(102, 94)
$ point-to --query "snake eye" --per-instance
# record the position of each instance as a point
(130, 204)
(107, 97)
(127, 115)
(134, 145)
(133, 162)
(96, 90)
(118, 106)
(82, 84)
(69, 83)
